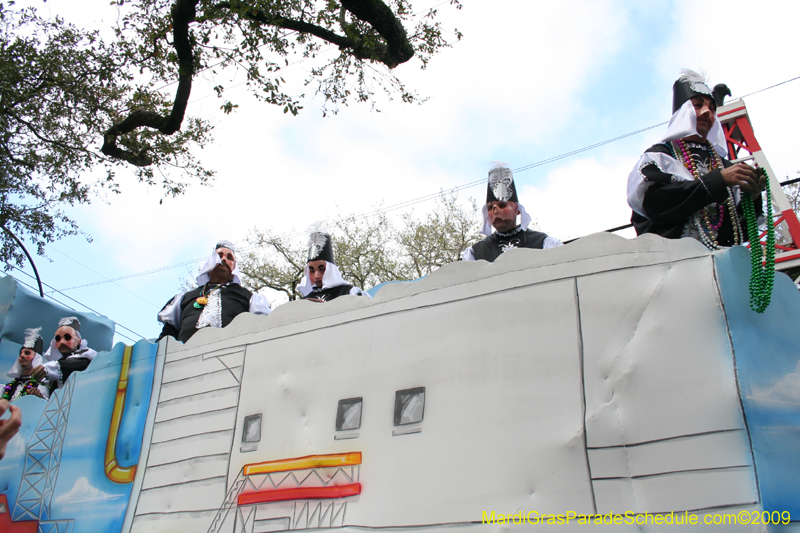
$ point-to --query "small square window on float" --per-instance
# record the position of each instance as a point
(252, 428)
(409, 406)
(348, 415)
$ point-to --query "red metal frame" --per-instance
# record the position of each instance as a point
(746, 138)
(739, 135)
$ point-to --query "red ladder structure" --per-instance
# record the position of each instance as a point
(738, 136)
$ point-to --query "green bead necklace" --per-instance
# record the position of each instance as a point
(762, 275)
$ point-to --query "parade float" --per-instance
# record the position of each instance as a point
(608, 376)
(606, 385)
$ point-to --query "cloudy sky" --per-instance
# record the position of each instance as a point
(530, 80)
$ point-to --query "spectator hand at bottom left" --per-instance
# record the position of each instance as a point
(10, 426)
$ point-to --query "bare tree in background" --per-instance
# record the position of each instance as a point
(368, 251)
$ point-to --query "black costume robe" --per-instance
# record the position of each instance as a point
(67, 365)
(494, 245)
(235, 300)
(670, 202)
(330, 293)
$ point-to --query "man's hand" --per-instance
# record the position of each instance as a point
(8, 428)
(315, 300)
(39, 373)
(746, 177)
(34, 390)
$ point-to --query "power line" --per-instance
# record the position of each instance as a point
(415, 201)
(136, 275)
(538, 163)
(76, 301)
(626, 226)
(105, 278)
(69, 307)
(587, 148)
(770, 87)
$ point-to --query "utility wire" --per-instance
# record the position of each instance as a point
(68, 306)
(102, 276)
(626, 226)
(432, 196)
(137, 274)
(517, 170)
(74, 300)
(770, 87)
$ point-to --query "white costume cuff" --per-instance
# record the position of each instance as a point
(171, 314)
(551, 242)
(52, 371)
(259, 305)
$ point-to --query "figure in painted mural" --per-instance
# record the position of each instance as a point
(322, 281)
(683, 186)
(500, 212)
(22, 381)
(68, 353)
(218, 298)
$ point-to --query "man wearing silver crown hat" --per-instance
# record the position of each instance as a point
(322, 281)
(683, 186)
(67, 353)
(30, 356)
(500, 212)
(219, 298)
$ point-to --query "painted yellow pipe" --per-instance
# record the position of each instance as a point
(115, 472)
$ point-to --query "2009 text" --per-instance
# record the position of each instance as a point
(630, 518)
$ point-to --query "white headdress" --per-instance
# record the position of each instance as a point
(33, 341)
(214, 260)
(320, 248)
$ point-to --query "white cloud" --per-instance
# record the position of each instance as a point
(283, 172)
(785, 389)
(15, 447)
(524, 85)
(746, 46)
(83, 491)
(579, 198)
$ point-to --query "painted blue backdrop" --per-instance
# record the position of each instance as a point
(767, 351)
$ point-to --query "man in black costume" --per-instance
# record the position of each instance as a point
(683, 187)
(30, 356)
(67, 353)
(500, 212)
(219, 298)
(322, 281)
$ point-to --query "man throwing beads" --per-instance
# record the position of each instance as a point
(682, 187)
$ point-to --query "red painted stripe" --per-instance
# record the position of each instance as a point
(729, 111)
(300, 493)
(779, 259)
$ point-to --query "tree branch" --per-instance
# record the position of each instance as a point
(380, 16)
(183, 13)
(397, 49)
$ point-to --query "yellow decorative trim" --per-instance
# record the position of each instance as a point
(302, 463)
